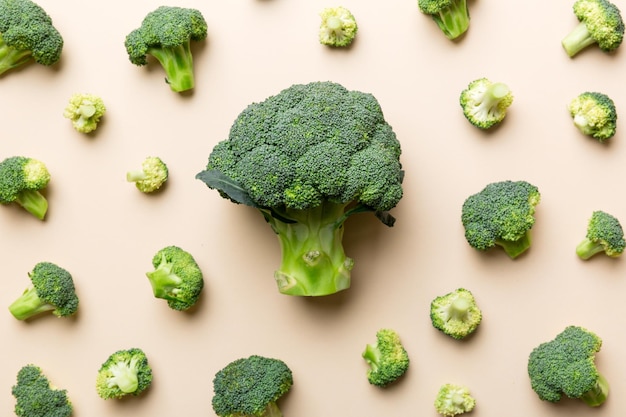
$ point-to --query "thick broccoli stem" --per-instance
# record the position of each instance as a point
(587, 248)
(28, 305)
(34, 202)
(515, 248)
(313, 259)
(272, 410)
(124, 376)
(164, 283)
(598, 394)
(459, 308)
(11, 57)
(577, 40)
(453, 20)
(177, 61)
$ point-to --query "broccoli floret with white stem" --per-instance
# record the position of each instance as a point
(152, 175)
(600, 23)
(85, 111)
(124, 373)
(338, 27)
(594, 114)
(456, 313)
(485, 103)
(453, 399)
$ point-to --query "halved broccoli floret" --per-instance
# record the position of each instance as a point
(338, 27)
(604, 234)
(85, 111)
(453, 399)
(124, 373)
(452, 16)
(21, 181)
(37, 397)
(594, 114)
(387, 358)
(485, 103)
(152, 175)
(456, 313)
(601, 24)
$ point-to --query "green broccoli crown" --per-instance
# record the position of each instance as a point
(594, 114)
(85, 111)
(35, 397)
(176, 278)
(21, 180)
(601, 24)
(501, 214)
(451, 16)
(604, 234)
(387, 358)
(456, 313)
(124, 373)
(485, 103)
(338, 27)
(166, 34)
(566, 365)
(52, 290)
(251, 387)
(453, 399)
(152, 175)
(27, 33)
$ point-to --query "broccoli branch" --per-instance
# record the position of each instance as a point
(177, 61)
(34, 202)
(29, 304)
(514, 248)
(577, 40)
(11, 57)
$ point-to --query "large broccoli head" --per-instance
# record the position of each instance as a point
(36, 397)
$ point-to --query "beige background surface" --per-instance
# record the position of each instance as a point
(105, 232)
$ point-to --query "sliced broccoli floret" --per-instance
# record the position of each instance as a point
(453, 399)
(566, 365)
(21, 181)
(502, 214)
(456, 314)
(85, 111)
(594, 114)
(485, 103)
(124, 373)
(600, 23)
(452, 16)
(387, 358)
(338, 27)
(36, 397)
(152, 175)
(604, 234)
(166, 34)
(251, 387)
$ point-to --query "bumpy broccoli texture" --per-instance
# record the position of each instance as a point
(594, 114)
(27, 35)
(36, 397)
(452, 400)
(166, 34)
(21, 181)
(308, 158)
(152, 175)
(485, 103)
(338, 27)
(604, 235)
(85, 111)
(566, 365)
(251, 387)
(456, 313)
(451, 16)
(176, 278)
(52, 290)
(600, 23)
(124, 373)
(501, 214)
(387, 358)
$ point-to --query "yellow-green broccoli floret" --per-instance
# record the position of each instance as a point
(456, 314)
(338, 27)
(604, 234)
(485, 103)
(124, 373)
(594, 114)
(451, 16)
(600, 23)
(85, 111)
(452, 400)
(36, 397)
(152, 175)
(22, 179)
(387, 358)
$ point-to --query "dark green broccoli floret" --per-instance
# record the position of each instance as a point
(501, 214)
(601, 24)
(308, 158)
(566, 365)
(485, 103)
(27, 35)
(251, 387)
(387, 358)
(594, 114)
(85, 111)
(21, 181)
(176, 278)
(52, 290)
(152, 175)
(124, 373)
(452, 16)
(604, 234)
(452, 400)
(338, 27)
(36, 397)
(166, 34)
(456, 313)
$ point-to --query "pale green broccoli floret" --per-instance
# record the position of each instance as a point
(601, 24)
(36, 397)
(124, 373)
(21, 181)
(338, 27)
(594, 114)
(485, 103)
(604, 234)
(85, 111)
(453, 399)
(387, 358)
(456, 314)
(152, 175)
(451, 16)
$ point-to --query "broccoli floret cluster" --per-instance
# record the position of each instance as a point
(604, 235)
(485, 103)
(387, 358)
(451, 16)
(124, 373)
(338, 27)
(600, 23)
(152, 175)
(85, 111)
(36, 397)
(456, 313)
(594, 114)
(22, 179)
(453, 399)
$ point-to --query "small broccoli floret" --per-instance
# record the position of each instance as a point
(27, 35)
(124, 373)
(485, 103)
(452, 16)
(338, 27)
(152, 175)
(502, 214)
(85, 111)
(566, 365)
(166, 34)
(456, 313)
(594, 114)
(600, 23)
(176, 278)
(36, 397)
(21, 181)
(604, 234)
(452, 400)
(387, 358)
(251, 387)
(51, 290)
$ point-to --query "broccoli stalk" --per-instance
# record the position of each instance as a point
(451, 16)
(177, 62)
(12, 58)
